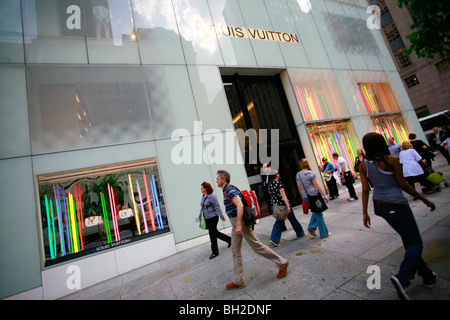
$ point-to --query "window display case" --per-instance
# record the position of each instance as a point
(90, 210)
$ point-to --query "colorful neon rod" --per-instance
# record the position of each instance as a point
(142, 206)
(105, 217)
(79, 217)
(60, 222)
(113, 213)
(67, 220)
(81, 207)
(49, 229)
(69, 223)
(156, 202)
(149, 203)
(53, 228)
(74, 225)
(138, 222)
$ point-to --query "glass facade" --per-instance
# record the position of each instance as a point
(89, 85)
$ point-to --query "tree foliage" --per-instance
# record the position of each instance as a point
(431, 29)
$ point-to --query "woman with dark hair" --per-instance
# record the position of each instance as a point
(385, 174)
(278, 194)
(211, 211)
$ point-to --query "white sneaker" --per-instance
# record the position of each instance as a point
(401, 290)
(351, 199)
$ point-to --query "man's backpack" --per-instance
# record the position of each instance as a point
(252, 202)
(251, 210)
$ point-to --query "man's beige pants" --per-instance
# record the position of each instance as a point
(255, 244)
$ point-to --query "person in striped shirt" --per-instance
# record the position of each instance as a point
(234, 209)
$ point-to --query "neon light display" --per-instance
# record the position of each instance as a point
(312, 103)
(330, 138)
(76, 222)
(378, 97)
(391, 126)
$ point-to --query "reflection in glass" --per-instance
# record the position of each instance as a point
(54, 31)
(86, 106)
(109, 19)
(110, 31)
(171, 101)
(157, 32)
(11, 39)
(197, 30)
(91, 210)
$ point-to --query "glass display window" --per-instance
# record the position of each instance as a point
(337, 136)
(378, 97)
(318, 94)
(88, 211)
(391, 125)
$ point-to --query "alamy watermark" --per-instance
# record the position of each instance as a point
(374, 281)
(213, 146)
(73, 281)
(374, 21)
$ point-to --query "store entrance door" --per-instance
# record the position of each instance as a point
(260, 103)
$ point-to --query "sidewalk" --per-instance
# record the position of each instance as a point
(330, 269)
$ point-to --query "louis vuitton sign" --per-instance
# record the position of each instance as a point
(259, 34)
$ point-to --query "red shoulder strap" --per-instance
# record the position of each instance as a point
(225, 192)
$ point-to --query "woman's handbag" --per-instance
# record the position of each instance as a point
(280, 212)
(317, 203)
(327, 175)
(202, 222)
(125, 213)
(305, 207)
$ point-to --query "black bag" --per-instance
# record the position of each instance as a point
(348, 177)
(317, 203)
(247, 214)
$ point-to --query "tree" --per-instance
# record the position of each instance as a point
(431, 29)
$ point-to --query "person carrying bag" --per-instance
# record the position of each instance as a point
(209, 217)
(282, 210)
(312, 193)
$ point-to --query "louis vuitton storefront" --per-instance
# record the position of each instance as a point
(113, 110)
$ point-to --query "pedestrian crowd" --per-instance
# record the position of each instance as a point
(385, 169)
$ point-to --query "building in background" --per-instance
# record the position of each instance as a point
(427, 81)
(115, 112)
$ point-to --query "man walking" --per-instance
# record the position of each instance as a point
(394, 148)
(346, 176)
(437, 140)
(234, 209)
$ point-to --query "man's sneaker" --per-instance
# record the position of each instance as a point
(351, 199)
(401, 290)
(429, 282)
(275, 243)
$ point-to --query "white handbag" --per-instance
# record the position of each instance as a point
(93, 221)
(125, 213)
